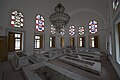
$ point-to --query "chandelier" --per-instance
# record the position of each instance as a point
(59, 19)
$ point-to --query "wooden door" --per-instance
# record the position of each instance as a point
(3, 48)
(72, 41)
(11, 42)
(83, 41)
(96, 41)
(119, 32)
(62, 42)
(53, 42)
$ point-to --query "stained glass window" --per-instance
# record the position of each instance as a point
(17, 19)
(62, 32)
(115, 4)
(52, 29)
(81, 30)
(93, 27)
(39, 23)
(72, 30)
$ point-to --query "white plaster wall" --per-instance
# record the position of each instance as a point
(114, 19)
(82, 18)
(1, 31)
(115, 44)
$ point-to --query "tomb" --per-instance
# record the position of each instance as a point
(87, 65)
(35, 58)
(38, 57)
(48, 71)
(44, 70)
(53, 54)
(89, 55)
(19, 60)
(68, 51)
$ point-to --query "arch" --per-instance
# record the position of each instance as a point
(92, 11)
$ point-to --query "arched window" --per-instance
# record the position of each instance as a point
(52, 29)
(17, 19)
(93, 26)
(81, 38)
(39, 23)
(72, 30)
(62, 32)
(81, 30)
(115, 4)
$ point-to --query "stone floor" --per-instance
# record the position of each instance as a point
(107, 73)
(7, 72)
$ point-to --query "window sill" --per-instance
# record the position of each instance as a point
(118, 61)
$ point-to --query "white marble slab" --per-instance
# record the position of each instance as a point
(95, 68)
(36, 60)
(30, 73)
(89, 55)
(68, 51)
(19, 61)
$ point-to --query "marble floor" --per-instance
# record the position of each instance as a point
(107, 73)
(7, 72)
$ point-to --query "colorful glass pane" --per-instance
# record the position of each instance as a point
(72, 30)
(115, 4)
(17, 19)
(81, 30)
(39, 23)
(52, 29)
(93, 27)
(62, 31)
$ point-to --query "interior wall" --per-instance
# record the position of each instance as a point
(113, 59)
(79, 17)
(82, 18)
(1, 31)
(31, 8)
(115, 18)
